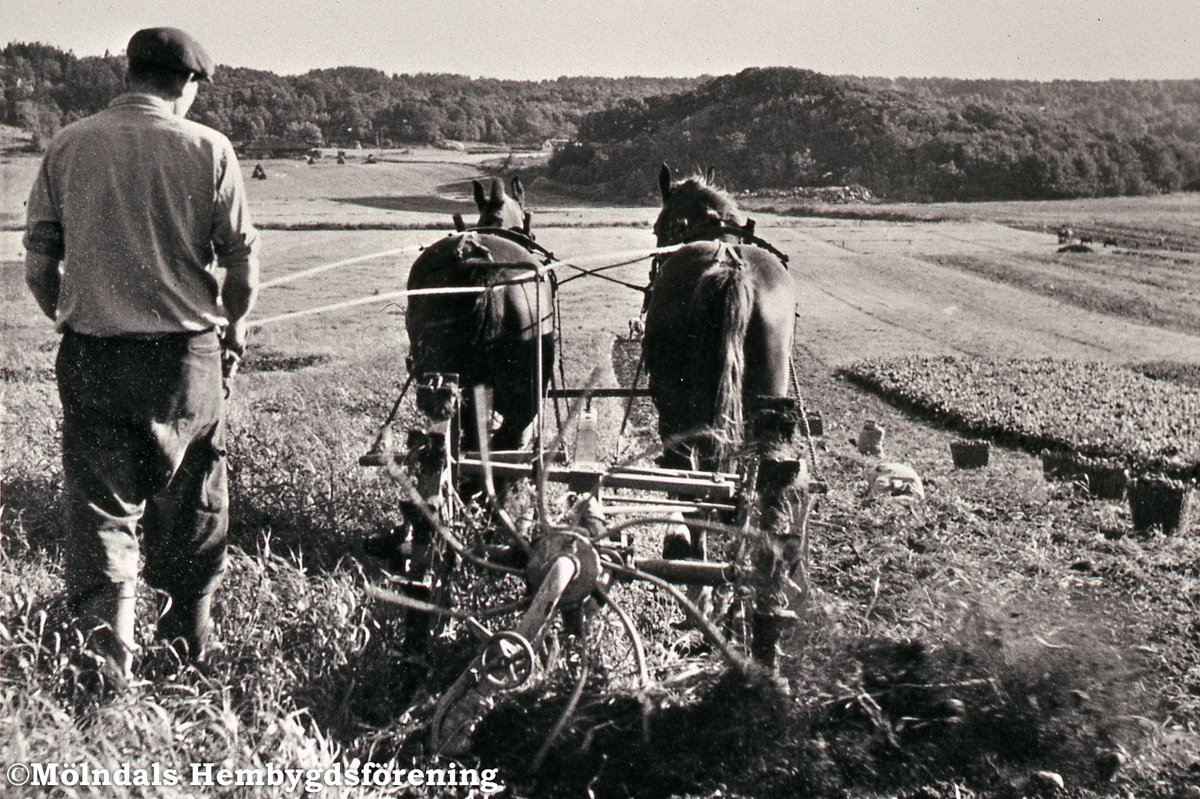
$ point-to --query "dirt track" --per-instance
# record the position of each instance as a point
(877, 289)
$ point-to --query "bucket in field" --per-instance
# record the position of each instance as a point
(969, 454)
(1160, 502)
(1106, 480)
(870, 439)
(1059, 465)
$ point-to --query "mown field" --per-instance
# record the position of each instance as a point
(1003, 635)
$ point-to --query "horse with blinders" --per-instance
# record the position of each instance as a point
(718, 338)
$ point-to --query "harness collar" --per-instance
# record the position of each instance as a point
(516, 237)
(744, 232)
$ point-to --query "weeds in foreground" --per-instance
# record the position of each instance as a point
(957, 649)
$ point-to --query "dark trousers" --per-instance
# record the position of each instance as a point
(143, 442)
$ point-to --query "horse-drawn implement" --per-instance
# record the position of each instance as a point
(733, 470)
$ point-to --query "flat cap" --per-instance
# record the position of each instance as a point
(169, 48)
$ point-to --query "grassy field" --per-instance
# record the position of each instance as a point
(1005, 629)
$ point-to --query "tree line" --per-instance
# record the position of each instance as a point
(917, 139)
(909, 139)
(43, 88)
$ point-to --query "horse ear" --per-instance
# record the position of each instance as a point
(664, 181)
(710, 175)
(518, 191)
(480, 197)
(497, 191)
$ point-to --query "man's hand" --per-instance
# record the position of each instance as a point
(234, 338)
(233, 347)
(238, 293)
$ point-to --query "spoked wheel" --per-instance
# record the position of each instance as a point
(569, 574)
(508, 661)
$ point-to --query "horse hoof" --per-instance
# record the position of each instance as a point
(676, 547)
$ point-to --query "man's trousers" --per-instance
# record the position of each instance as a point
(143, 443)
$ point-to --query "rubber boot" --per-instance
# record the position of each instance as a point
(774, 480)
(773, 430)
(767, 628)
(418, 626)
(109, 616)
(766, 631)
(187, 627)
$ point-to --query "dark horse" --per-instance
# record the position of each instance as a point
(489, 337)
(719, 330)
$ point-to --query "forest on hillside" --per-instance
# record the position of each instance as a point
(43, 88)
(910, 139)
(921, 139)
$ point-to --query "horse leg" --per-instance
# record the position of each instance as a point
(769, 339)
(515, 395)
(779, 546)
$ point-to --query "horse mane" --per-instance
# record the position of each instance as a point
(694, 204)
(708, 194)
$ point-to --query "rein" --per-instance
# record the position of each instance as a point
(598, 270)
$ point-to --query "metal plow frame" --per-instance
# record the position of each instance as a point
(566, 564)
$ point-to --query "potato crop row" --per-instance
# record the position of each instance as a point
(1096, 410)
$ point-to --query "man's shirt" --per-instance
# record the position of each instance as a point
(136, 202)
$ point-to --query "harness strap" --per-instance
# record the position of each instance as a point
(516, 237)
(728, 256)
(744, 232)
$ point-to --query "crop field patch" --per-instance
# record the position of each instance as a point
(1096, 410)
(1187, 374)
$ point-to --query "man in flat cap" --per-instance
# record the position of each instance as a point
(131, 212)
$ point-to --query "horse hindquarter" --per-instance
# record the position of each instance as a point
(487, 338)
(696, 325)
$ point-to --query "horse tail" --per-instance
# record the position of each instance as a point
(488, 314)
(728, 294)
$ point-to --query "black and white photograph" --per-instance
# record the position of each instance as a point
(627, 400)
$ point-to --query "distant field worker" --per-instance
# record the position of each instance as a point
(128, 211)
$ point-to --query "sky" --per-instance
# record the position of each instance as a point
(546, 39)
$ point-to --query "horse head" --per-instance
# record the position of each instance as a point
(499, 209)
(689, 206)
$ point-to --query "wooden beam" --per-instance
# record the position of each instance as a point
(694, 484)
(599, 393)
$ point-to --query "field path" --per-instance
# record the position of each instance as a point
(869, 291)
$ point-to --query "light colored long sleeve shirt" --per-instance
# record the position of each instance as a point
(140, 206)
